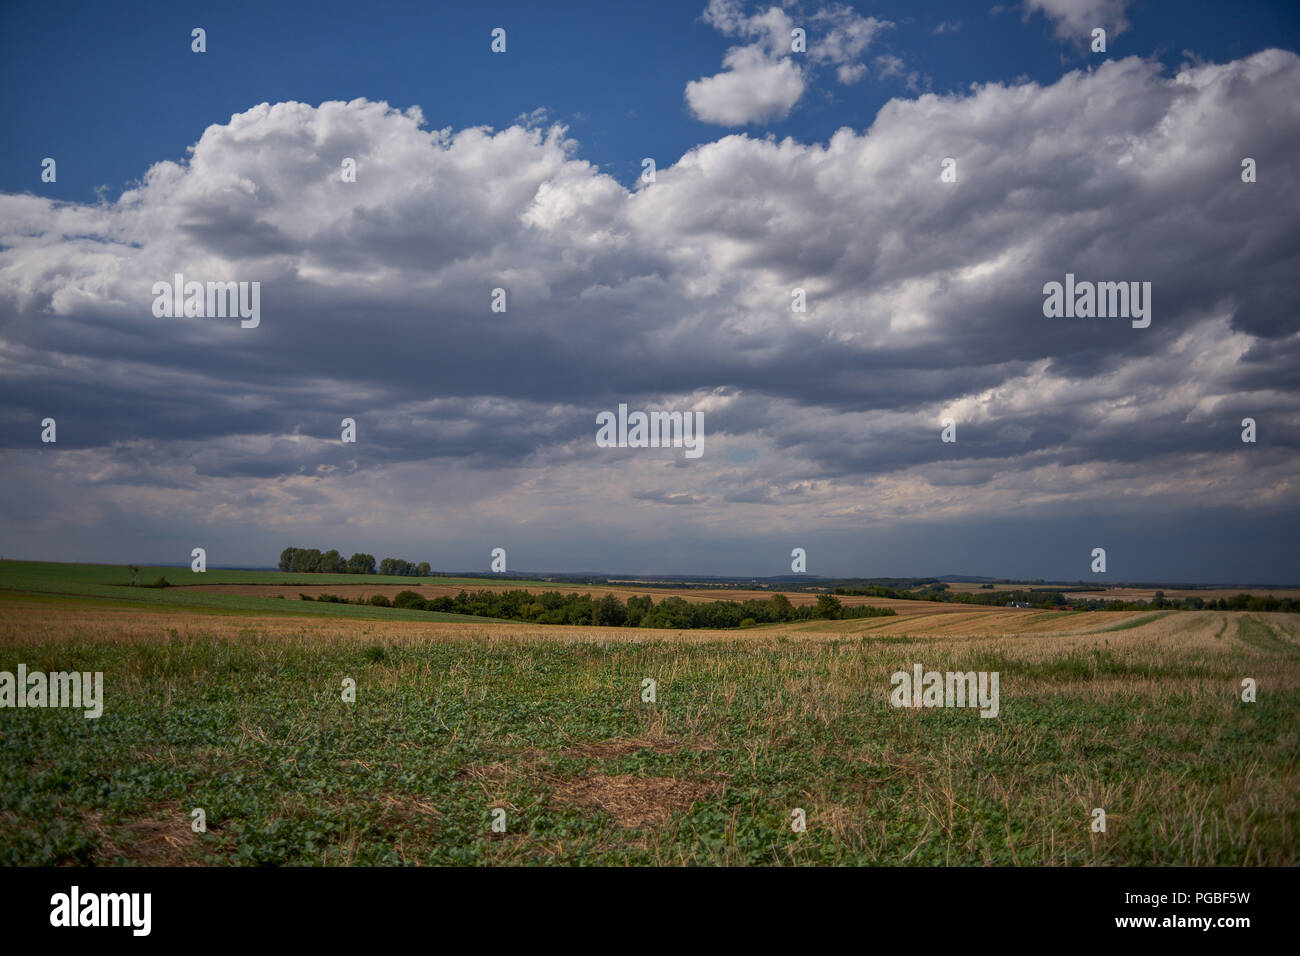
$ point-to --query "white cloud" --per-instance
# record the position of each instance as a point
(842, 36)
(850, 73)
(762, 81)
(1076, 19)
(753, 89)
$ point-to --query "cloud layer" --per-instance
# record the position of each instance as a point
(924, 301)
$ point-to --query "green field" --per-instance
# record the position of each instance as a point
(51, 575)
(111, 584)
(287, 773)
(243, 716)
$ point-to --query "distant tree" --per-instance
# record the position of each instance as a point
(331, 562)
(609, 611)
(827, 607)
(782, 609)
(361, 564)
(422, 569)
(306, 560)
(286, 559)
(637, 608)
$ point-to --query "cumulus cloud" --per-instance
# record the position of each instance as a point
(761, 81)
(754, 88)
(924, 301)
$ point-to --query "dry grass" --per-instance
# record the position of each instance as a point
(634, 801)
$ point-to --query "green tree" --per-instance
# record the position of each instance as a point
(361, 564)
(306, 560)
(828, 607)
(609, 611)
(782, 609)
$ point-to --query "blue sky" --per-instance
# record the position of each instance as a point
(115, 87)
(777, 172)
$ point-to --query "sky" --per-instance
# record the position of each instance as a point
(775, 170)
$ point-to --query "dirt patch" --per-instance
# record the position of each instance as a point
(161, 838)
(389, 810)
(494, 773)
(614, 749)
(633, 801)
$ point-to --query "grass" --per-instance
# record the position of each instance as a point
(1257, 634)
(109, 585)
(45, 575)
(243, 716)
(1135, 622)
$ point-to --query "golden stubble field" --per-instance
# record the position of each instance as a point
(1138, 594)
(1042, 633)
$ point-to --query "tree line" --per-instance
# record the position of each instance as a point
(314, 561)
(557, 607)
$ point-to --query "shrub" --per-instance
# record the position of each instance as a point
(409, 599)
(378, 600)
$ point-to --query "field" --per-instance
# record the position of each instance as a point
(432, 590)
(1117, 593)
(232, 703)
